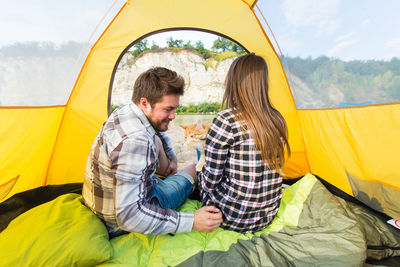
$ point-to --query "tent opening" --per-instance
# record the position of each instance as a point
(201, 57)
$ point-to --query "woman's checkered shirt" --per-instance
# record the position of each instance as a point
(235, 179)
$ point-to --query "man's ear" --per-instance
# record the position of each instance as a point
(144, 105)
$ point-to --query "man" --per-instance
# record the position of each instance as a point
(120, 186)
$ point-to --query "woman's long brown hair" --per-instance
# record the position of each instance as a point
(246, 92)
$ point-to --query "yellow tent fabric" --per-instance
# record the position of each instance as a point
(49, 145)
(27, 139)
(362, 141)
(86, 109)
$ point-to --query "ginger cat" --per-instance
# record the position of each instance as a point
(195, 137)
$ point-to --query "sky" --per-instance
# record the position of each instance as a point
(347, 30)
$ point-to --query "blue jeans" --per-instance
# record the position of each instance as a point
(171, 192)
(168, 193)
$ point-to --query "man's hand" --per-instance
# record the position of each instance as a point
(172, 167)
(207, 219)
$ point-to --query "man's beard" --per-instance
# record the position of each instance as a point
(157, 125)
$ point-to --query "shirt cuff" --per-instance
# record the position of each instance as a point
(186, 222)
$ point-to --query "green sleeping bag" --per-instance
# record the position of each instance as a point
(312, 227)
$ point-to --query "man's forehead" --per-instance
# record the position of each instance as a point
(169, 101)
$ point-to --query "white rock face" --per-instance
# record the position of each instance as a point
(202, 84)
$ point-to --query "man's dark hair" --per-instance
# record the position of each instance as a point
(155, 83)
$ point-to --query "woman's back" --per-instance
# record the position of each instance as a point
(245, 148)
(235, 178)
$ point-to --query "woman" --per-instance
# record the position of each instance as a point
(245, 147)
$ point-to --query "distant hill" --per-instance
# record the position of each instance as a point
(333, 82)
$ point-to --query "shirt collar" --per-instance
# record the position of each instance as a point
(142, 117)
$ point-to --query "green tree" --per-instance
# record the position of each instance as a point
(298, 66)
(222, 45)
(171, 42)
(387, 78)
(203, 108)
(154, 46)
(181, 109)
(139, 47)
(213, 107)
(394, 66)
(191, 108)
(199, 47)
(394, 88)
(188, 45)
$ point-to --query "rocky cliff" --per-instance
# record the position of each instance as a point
(203, 84)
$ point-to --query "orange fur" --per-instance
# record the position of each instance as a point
(195, 136)
(195, 133)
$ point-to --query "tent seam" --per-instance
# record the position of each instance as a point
(287, 82)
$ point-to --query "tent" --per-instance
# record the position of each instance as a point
(353, 149)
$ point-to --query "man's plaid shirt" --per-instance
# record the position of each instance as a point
(235, 179)
(119, 176)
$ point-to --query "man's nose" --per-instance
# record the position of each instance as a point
(171, 115)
